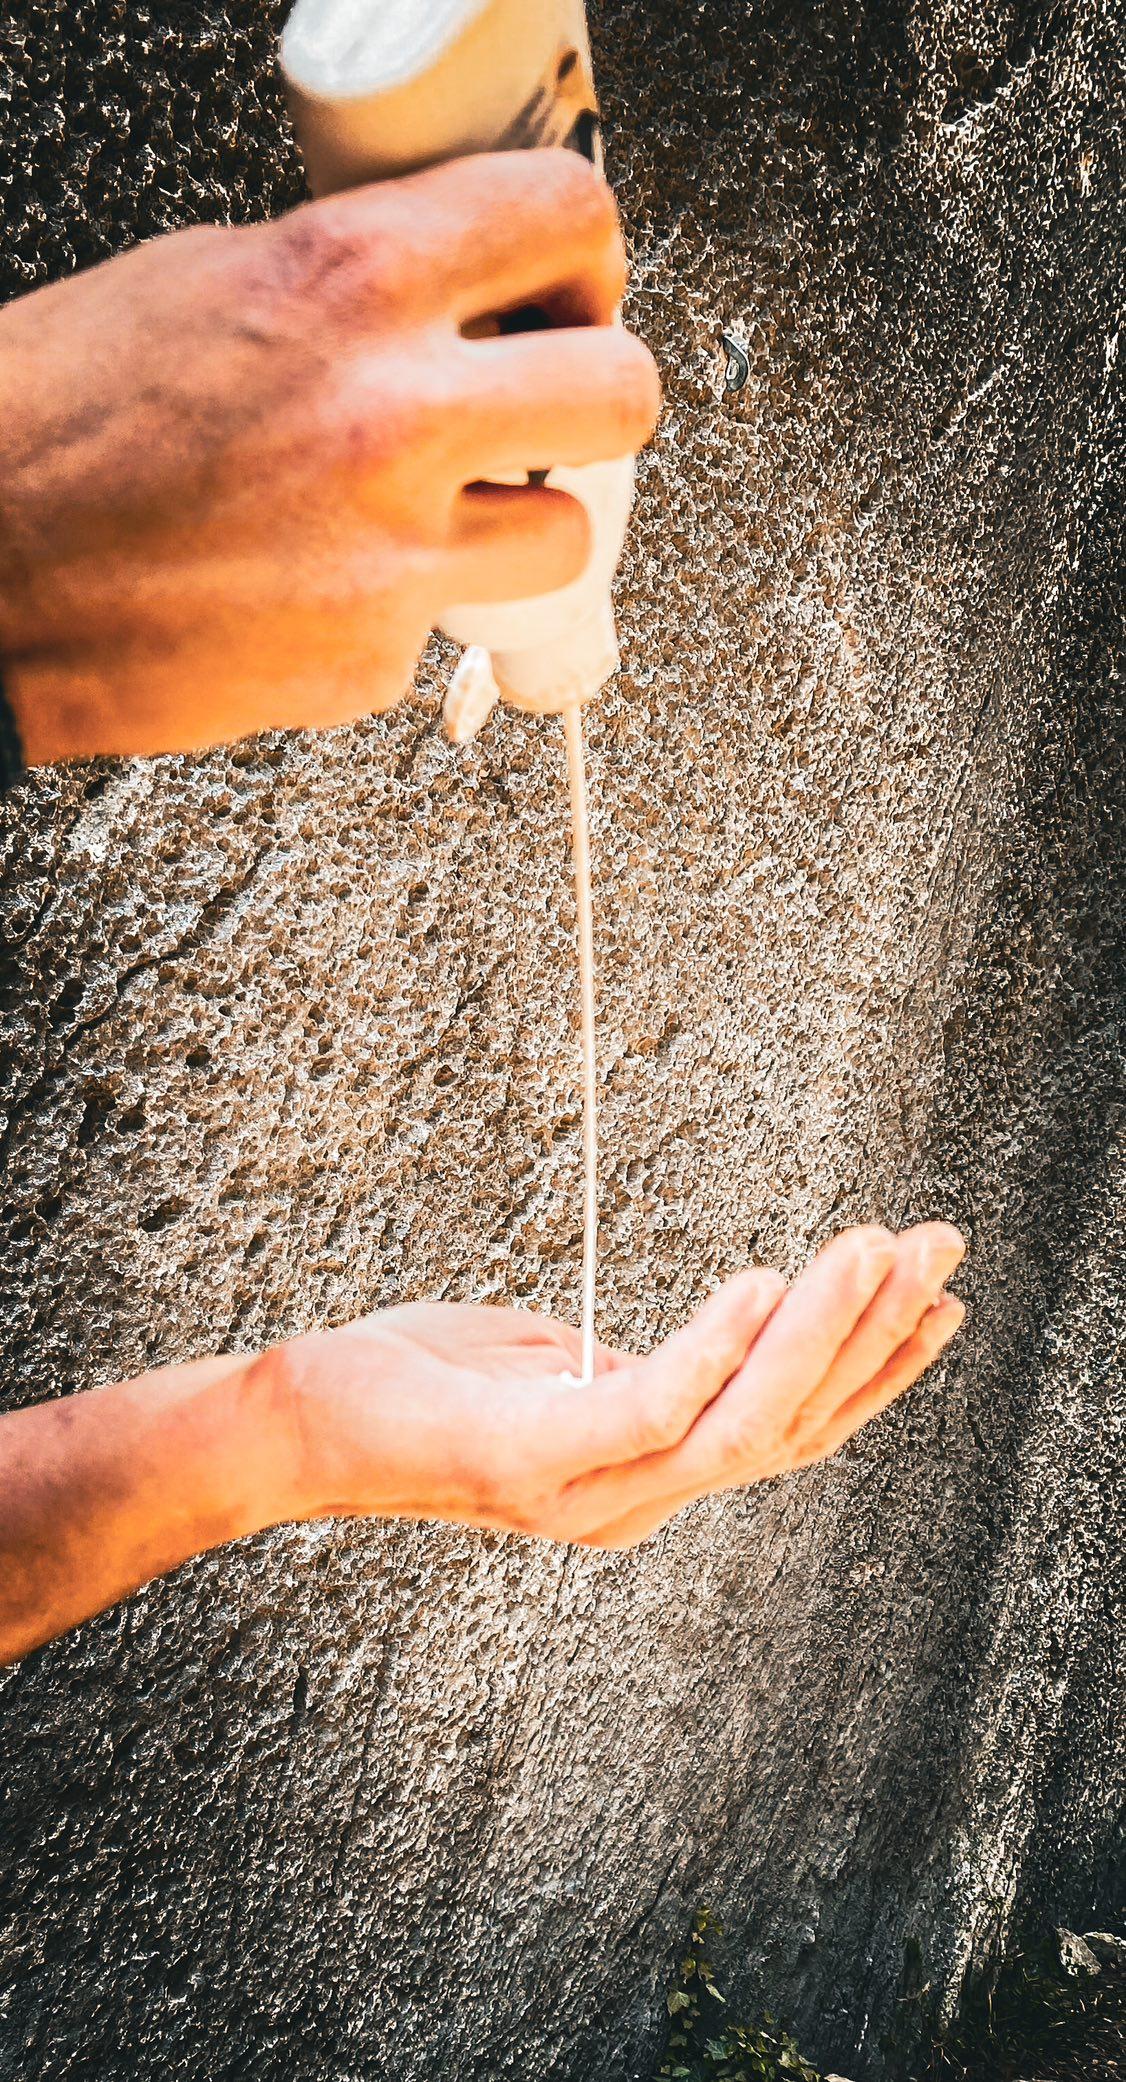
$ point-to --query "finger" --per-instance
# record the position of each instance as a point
(920, 1351)
(478, 236)
(650, 1404)
(925, 1258)
(794, 1353)
(736, 1432)
(938, 1326)
(511, 542)
(532, 400)
(505, 229)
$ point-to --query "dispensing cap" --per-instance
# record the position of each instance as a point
(554, 675)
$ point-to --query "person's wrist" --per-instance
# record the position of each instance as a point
(298, 1395)
(274, 1425)
(367, 1425)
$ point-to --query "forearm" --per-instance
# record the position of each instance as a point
(100, 1492)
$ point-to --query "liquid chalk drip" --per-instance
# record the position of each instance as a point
(584, 922)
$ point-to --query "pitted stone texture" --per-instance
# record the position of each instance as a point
(290, 1032)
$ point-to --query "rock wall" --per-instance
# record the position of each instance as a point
(288, 1033)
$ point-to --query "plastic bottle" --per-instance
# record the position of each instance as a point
(384, 87)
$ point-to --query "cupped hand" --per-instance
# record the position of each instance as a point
(437, 1411)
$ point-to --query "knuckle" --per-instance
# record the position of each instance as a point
(941, 1236)
(317, 248)
(770, 1286)
(904, 1318)
(391, 413)
(871, 1240)
(715, 1359)
(850, 1250)
(802, 1422)
(416, 406)
(712, 1362)
(863, 1262)
(330, 260)
(751, 1445)
(745, 1450)
(867, 1234)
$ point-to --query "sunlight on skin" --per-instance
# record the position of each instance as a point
(211, 447)
(247, 468)
(764, 1379)
(461, 1414)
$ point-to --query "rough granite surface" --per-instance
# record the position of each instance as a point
(289, 1032)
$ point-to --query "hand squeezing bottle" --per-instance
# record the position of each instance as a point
(386, 87)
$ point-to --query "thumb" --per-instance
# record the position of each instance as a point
(648, 1406)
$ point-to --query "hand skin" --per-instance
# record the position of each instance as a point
(440, 1412)
(242, 474)
(244, 471)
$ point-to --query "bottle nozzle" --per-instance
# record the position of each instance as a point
(471, 696)
(557, 672)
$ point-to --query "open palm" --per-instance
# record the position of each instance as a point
(445, 1411)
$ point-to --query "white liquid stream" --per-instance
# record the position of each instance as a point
(584, 908)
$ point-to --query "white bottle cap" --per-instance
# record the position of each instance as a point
(553, 675)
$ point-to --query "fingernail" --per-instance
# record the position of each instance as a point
(755, 1278)
(940, 1261)
(877, 1259)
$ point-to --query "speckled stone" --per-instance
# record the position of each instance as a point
(288, 1032)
